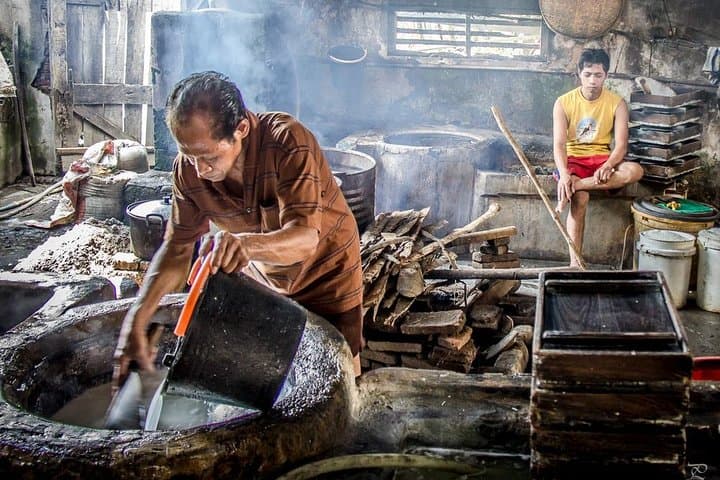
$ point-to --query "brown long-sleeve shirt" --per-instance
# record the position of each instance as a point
(285, 178)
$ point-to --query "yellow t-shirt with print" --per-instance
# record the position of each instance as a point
(590, 123)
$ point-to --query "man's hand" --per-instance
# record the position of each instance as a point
(603, 174)
(230, 253)
(565, 191)
(132, 345)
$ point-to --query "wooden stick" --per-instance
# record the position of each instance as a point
(546, 201)
(492, 210)
(20, 106)
(493, 273)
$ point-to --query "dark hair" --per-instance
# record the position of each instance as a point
(211, 93)
(594, 56)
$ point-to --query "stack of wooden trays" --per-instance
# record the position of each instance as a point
(665, 133)
(611, 374)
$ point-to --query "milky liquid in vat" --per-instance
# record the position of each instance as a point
(171, 412)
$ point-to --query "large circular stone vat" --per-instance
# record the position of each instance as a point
(426, 168)
(44, 364)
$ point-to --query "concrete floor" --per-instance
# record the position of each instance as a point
(17, 240)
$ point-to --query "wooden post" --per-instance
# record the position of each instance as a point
(546, 201)
(60, 92)
(137, 19)
(20, 104)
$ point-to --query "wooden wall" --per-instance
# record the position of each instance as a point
(101, 80)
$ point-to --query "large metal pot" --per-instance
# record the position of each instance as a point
(147, 225)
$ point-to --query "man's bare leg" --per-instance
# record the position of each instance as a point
(576, 223)
(624, 174)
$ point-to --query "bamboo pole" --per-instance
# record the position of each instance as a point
(546, 201)
(493, 273)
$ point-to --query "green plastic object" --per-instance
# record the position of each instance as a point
(683, 205)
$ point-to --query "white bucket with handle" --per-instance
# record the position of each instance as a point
(708, 279)
(671, 253)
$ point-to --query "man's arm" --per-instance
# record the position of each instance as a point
(560, 126)
(289, 245)
(620, 136)
(166, 273)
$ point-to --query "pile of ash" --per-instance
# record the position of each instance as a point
(86, 249)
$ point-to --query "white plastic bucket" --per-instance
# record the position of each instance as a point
(671, 253)
(708, 279)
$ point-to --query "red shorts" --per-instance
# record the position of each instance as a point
(585, 167)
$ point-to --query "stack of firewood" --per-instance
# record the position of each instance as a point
(496, 253)
(414, 322)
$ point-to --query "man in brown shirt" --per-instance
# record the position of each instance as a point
(264, 182)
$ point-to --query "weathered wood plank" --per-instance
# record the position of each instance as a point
(403, 347)
(61, 94)
(457, 341)
(94, 93)
(101, 123)
(552, 408)
(622, 446)
(115, 32)
(448, 322)
(570, 367)
(494, 257)
(137, 18)
(85, 57)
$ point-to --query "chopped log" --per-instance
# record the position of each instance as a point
(519, 333)
(397, 218)
(505, 325)
(388, 321)
(376, 292)
(410, 281)
(493, 250)
(402, 347)
(380, 357)
(455, 342)
(387, 241)
(448, 322)
(461, 359)
(513, 360)
(373, 271)
(374, 229)
(497, 290)
(410, 361)
(391, 296)
(485, 316)
(499, 242)
(482, 236)
(413, 225)
(519, 304)
(506, 274)
(480, 257)
(493, 210)
(494, 265)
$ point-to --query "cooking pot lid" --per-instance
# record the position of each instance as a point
(151, 207)
(676, 208)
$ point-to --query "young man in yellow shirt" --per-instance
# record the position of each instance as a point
(586, 121)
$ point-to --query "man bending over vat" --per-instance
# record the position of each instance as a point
(586, 121)
(263, 180)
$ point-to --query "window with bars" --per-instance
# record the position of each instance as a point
(498, 35)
